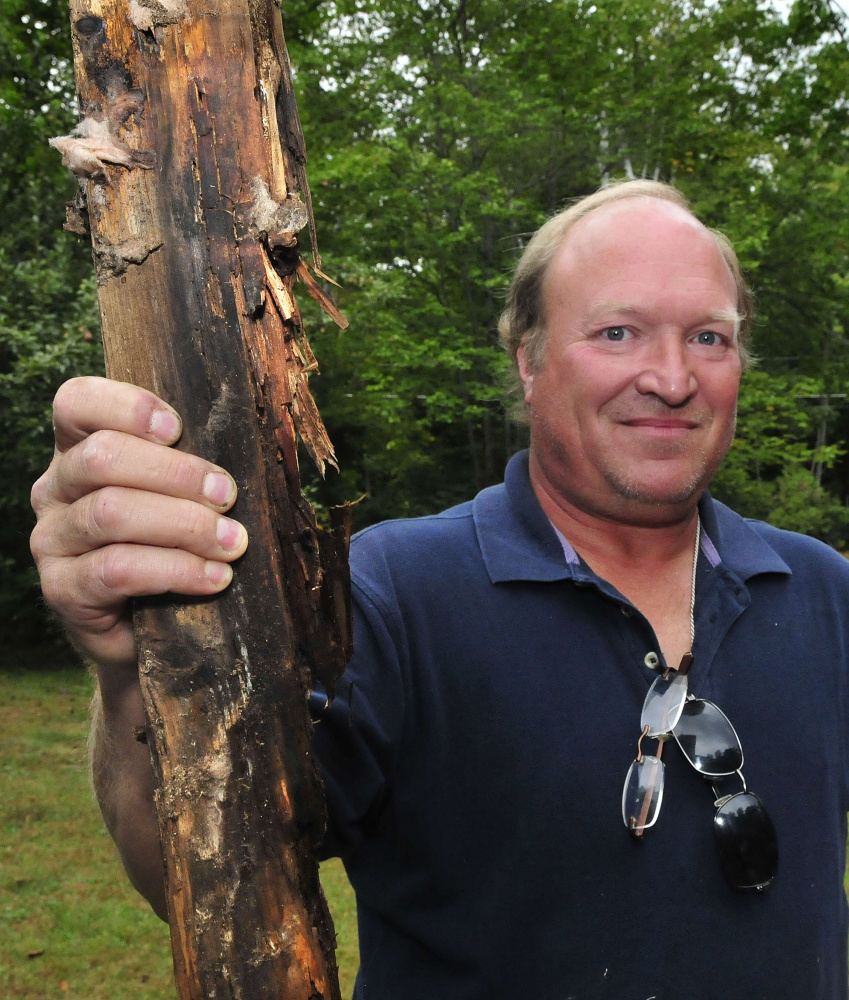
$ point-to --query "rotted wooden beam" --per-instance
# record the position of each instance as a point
(192, 175)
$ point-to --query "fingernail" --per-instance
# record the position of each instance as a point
(165, 425)
(230, 534)
(218, 488)
(218, 573)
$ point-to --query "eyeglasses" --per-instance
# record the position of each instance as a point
(745, 835)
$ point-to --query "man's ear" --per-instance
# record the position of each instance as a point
(525, 373)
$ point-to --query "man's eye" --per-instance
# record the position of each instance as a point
(616, 334)
(709, 338)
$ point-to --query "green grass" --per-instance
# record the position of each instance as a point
(70, 924)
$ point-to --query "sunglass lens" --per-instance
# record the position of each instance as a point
(708, 739)
(745, 837)
(663, 704)
(642, 794)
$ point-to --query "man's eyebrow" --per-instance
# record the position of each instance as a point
(727, 316)
(609, 306)
(625, 309)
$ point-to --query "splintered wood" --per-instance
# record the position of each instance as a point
(192, 174)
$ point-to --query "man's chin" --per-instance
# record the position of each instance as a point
(647, 493)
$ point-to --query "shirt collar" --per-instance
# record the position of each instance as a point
(518, 542)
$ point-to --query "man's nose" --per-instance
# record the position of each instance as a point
(667, 373)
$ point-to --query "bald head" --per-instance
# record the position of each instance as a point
(524, 320)
(618, 234)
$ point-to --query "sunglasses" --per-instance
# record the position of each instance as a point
(745, 835)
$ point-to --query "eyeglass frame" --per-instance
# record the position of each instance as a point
(720, 802)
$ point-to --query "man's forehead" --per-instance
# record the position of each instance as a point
(641, 258)
(630, 231)
(631, 216)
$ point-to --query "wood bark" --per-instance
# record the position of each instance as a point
(192, 170)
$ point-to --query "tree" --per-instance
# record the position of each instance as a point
(769, 472)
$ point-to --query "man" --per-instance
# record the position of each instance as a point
(475, 754)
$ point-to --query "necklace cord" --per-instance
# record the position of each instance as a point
(693, 583)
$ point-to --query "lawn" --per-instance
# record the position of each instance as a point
(71, 924)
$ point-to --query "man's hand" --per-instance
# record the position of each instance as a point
(121, 514)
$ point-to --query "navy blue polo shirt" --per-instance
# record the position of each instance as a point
(475, 754)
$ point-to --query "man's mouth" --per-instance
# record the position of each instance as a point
(663, 423)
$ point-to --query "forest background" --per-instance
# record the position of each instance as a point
(441, 133)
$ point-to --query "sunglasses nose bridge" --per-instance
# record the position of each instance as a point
(745, 836)
(723, 799)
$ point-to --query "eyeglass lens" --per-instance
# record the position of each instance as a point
(746, 840)
(642, 794)
(663, 705)
(707, 739)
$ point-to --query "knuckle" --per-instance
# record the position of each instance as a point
(182, 470)
(70, 400)
(67, 396)
(100, 453)
(113, 567)
(39, 542)
(102, 513)
(40, 491)
(194, 522)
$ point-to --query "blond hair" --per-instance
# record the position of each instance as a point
(524, 318)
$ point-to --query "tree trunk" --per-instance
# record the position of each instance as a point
(191, 162)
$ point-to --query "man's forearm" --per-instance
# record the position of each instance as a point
(123, 780)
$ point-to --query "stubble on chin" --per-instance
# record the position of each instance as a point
(630, 489)
(635, 490)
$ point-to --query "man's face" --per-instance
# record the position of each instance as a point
(635, 404)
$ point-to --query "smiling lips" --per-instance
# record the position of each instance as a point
(662, 423)
(673, 431)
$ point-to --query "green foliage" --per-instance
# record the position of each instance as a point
(801, 504)
(49, 328)
(441, 133)
(36, 102)
(770, 470)
(47, 334)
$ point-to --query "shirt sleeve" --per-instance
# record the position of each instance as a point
(356, 740)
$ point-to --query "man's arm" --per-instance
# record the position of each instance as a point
(123, 780)
(120, 515)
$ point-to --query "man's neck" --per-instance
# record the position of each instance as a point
(639, 540)
(648, 560)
